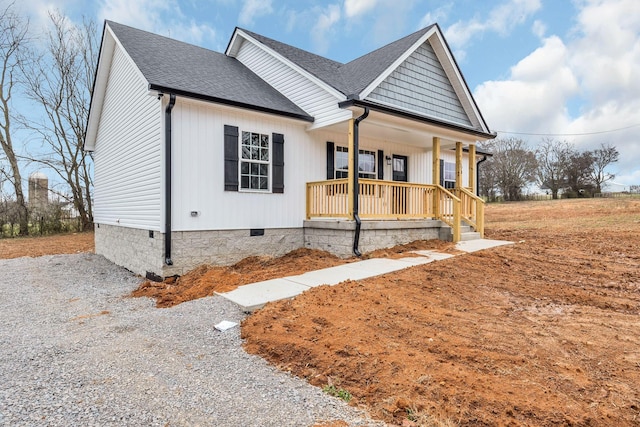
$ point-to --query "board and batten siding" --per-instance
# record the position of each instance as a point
(128, 152)
(313, 99)
(420, 84)
(419, 158)
(198, 174)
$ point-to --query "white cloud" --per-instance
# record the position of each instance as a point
(252, 9)
(595, 68)
(535, 95)
(358, 7)
(607, 50)
(143, 14)
(539, 28)
(435, 16)
(161, 17)
(501, 20)
(38, 11)
(327, 18)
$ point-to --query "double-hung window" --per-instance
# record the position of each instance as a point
(366, 163)
(254, 161)
(448, 175)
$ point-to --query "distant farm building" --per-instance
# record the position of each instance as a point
(38, 191)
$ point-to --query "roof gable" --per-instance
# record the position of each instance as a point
(421, 84)
(188, 70)
(377, 73)
(363, 71)
(325, 69)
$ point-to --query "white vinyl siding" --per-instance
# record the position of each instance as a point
(128, 156)
(313, 99)
(198, 174)
(420, 84)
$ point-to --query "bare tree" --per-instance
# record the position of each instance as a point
(512, 167)
(553, 158)
(578, 173)
(13, 37)
(61, 82)
(601, 159)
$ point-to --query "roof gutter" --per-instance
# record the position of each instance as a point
(484, 159)
(187, 94)
(167, 179)
(356, 187)
(353, 102)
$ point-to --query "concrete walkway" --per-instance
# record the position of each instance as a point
(255, 295)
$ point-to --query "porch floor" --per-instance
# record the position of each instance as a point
(255, 295)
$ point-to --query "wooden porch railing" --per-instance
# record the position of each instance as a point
(328, 199)
(472, 209)
(397, 200)
(448, 210)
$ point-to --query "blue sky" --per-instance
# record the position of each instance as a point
(535, 66)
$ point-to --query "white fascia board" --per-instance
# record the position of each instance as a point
(440, 48)
(336, 93)
(97, 100)
(109, 43)
(234, 45)
(126, 54)
(374, 84)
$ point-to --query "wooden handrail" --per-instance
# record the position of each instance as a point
(472, 209)
(390, 200)
(450, 211)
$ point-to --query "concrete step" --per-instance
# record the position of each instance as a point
(470, 235)
(466, 233)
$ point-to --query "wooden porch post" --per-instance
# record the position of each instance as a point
(350, 171)
(436, 161)
(458, 164)
(435, 179)
(472, 167)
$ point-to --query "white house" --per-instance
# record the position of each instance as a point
(207, 157)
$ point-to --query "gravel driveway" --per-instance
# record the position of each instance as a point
(74, 350)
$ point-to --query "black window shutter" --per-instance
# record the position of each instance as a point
(331, 173)
(230, 158)
(380, 164)
(277, 185)
(442, 173)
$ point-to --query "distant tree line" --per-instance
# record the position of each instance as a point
(52, 77)
(555, 166)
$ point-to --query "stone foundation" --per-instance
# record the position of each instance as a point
(336, 236)
(142, 251)
(225, 247)
(132, 248)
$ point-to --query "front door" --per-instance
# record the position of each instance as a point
(399, 165)
(399, 168)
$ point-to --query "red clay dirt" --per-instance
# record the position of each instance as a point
(541, 333)
(205, 280)
(46, 245)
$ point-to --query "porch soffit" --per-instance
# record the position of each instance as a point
(385, 127)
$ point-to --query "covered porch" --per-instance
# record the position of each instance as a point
(356, 199)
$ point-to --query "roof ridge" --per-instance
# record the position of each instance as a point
(422, 31)
(363, 70)
(260, 36)
(171, 39)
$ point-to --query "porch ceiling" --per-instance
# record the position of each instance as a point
(401, 130)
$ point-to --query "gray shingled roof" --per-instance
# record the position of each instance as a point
(191, 70)
(353, 77)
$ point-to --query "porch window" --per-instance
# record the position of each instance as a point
(448, 171)
(366, 163)
(254, 161)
